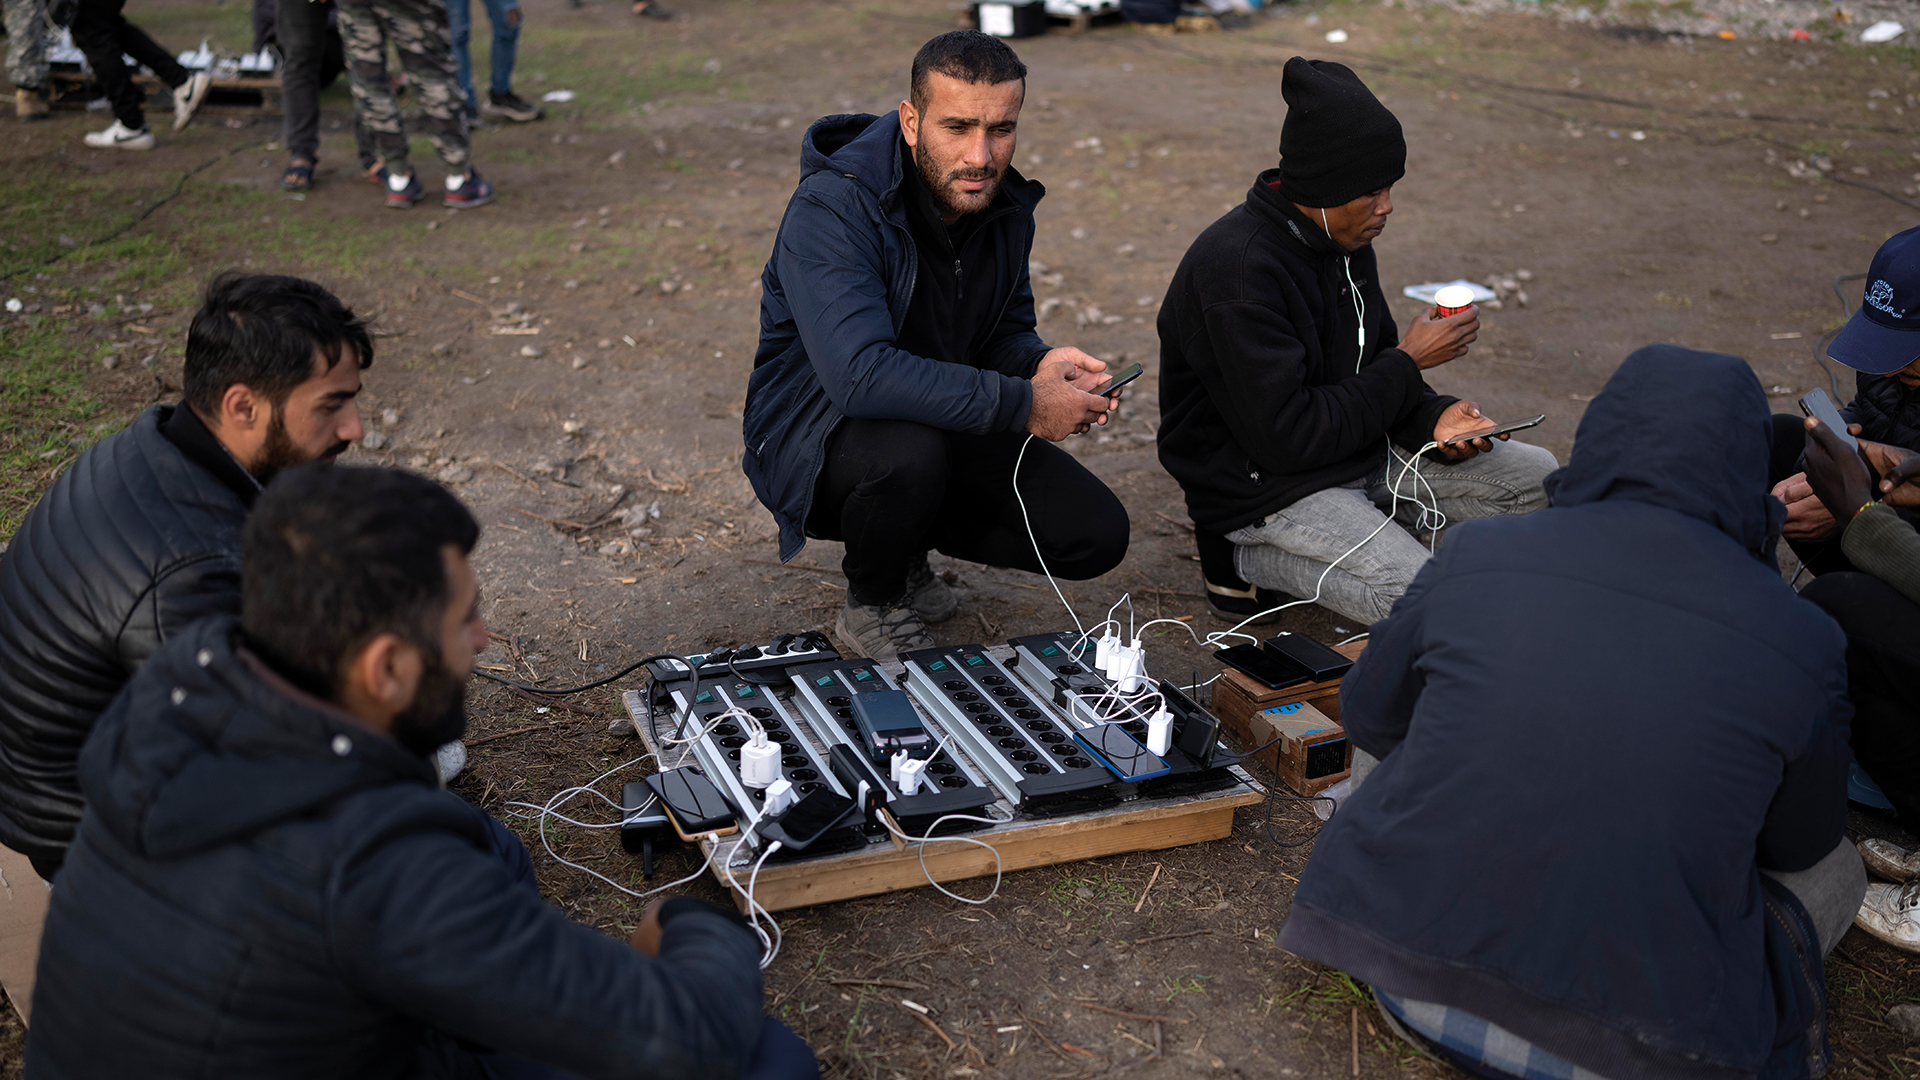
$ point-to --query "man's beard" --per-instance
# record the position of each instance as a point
(438, 714)
(279, 452)
(939, 183)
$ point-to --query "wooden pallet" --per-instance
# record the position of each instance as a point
(1144, 825)
(242, 94)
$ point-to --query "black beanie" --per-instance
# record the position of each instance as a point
(1338, 141)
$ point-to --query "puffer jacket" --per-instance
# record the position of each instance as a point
(1886, 410)
(264, 888)
(134, 542)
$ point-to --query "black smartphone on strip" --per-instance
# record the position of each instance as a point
(1318, 661)
(1121, 378)
(1817, 404)
(1272, 671)
(1121, 753)
(1497, 429)
(695, 806)
(809, 819)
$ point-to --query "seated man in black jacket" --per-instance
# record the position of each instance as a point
(270, 880)
(1881, 343)
(142, 535)
(1878, 605)
(1607, 827)
(1292, 414)
(899, 380)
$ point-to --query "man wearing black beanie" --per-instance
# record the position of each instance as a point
(1292, 413)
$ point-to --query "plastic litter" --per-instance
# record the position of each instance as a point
(558, 95)
(1425, 293)
(1882, 31)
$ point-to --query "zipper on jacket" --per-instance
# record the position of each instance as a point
(959, 282)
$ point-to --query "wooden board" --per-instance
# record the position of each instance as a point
(1144, 825)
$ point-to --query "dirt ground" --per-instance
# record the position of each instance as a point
(1697, 191)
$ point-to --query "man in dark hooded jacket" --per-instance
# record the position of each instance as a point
(1606, 827)
(270, 882)
(899, 378)
(142, 535)
(1291, 412)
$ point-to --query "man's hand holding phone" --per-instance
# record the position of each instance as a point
(1462, 418)
(1837, 474)
(1067, 387)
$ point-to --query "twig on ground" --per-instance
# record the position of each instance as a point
(1187, 525)
(931, 1026)
(897, 984)
(1130, 1015)
(1170, 937)
(552, 521)
(516, 472)
(1142, 902)
(791, 566)
(471, 743)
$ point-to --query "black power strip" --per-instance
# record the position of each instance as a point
(783, 652)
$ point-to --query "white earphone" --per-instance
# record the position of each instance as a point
(1359, 308)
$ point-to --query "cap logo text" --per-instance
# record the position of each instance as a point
(1881, 296)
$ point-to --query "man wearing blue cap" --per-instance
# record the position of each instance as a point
(1882, 343)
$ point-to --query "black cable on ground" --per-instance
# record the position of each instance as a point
(1273, 792)
(141, 216)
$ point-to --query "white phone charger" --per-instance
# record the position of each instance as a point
(1131, 670)
(911, 772)
(899, 758)
(1103, 647)
(779, 797)
(1160, 731)
(759, 762)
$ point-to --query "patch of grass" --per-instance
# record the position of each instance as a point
(1191, 984)
(47, 415)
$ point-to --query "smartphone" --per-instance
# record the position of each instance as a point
(1817, 404)
(1497, 429)
(1121, 378)
(693, 803)
(1318, 661)
(1121, 753)
(1273, 671)
(808, 820)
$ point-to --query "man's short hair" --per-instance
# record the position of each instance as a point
(334, 555)
(261, 330)
(968, 55)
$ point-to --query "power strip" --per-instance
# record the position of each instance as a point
(784, 651)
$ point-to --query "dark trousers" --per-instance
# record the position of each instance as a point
(1789, 442)
(1883, 679)
(103, 34)
(300, 29)
(894, 489)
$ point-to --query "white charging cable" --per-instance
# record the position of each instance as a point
(1028, 522)
(544, 811)
(769, 945)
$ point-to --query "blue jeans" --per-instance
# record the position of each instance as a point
(1291, 549)
(506, 43)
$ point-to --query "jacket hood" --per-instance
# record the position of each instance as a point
(866, 148)
(201, 749)
(1685, 430)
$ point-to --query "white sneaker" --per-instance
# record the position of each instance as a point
(118, 136)
(450, 759)
(1892, 914)
(187, 99)
(1889, 860)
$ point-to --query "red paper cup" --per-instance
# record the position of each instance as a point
(1453, 299)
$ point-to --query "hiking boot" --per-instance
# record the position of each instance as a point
(1231, 605)
(881, 631)
(30, 104)
(470, 192)
(512, 106)
(1890, 860)
(929, 595)
(119, 137)
(404, 191)
(188, 96)
(1892, 914)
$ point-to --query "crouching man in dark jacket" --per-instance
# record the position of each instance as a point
(1291, 411)
(142, 535)
(269, 880)
(899, 377)
(1605, 832)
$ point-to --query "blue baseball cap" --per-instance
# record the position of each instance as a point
(1884, 335)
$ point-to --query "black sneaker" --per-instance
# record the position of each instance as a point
(512, 106)
(1230, 605)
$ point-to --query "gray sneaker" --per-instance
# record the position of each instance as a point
(881, 631)
(932, 600)
(1890, 860)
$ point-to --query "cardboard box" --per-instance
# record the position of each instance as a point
(1246, 707)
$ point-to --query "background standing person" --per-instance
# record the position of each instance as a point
(418, 31)
(311, 57)
(106, 38)
(27, 58)
(505, 16)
